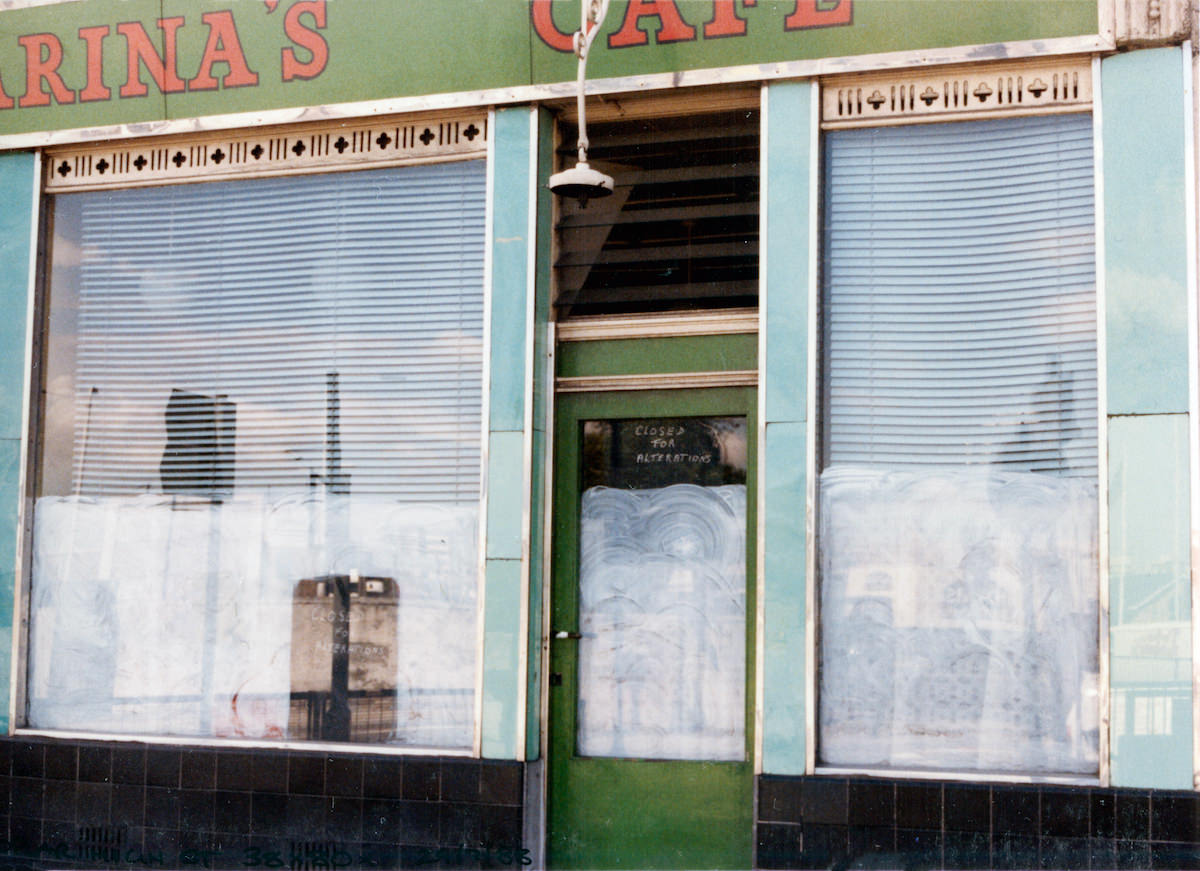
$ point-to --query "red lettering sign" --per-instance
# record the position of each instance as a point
(819, 13)
(141, 52)
(309, 40)
(725, 20)
(43, 55)
(223, 46)
(672, 27)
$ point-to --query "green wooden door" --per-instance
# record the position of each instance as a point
(652, 615)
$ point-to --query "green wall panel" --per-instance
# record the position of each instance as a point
(506, 507)
(507, 487)
(787, 200)
(784, 600)
(1144, 231)
(501, 658)
(1150, 601)
(543, 394)
(674, 354)
(18, 227)
(386, 49)
(510, 267)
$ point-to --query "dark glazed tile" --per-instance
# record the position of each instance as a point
(381, 819)
(500, 826)
(1133, 816)
(967, 809)
(500, 783)
(344, 776)
(824, 846)
(1014, 851)
(268, 813)
(129, 765)
(198, 769)
(869, 844)
(235, 771)
(1132, 854)
(966, 850)
(779, 800)
(1067, 854)
(460, 781)
(27, 797)
(162, 842)
(823, 801)
(128, 804)
(1066, 813)
(306, 817)
(871, 804)
(6, 748)
(270, 772)
(919, 848)
(1014, 812)
(418, 823)
(95, 764)
(162, 808)
(1175, 856)
(343, 818)
(92, 803)
(59, 800)
(779, 846)
(25, 834)
(231, 849)
(61, 761)
(422, 781)
(919, 806)
(460, 824)
(162, 767)
(28, 759)
(306, 774)
(1102, 854)
(196, 809)
(1104, 817)
(231, 813)
(1174, 817)
(383, 777)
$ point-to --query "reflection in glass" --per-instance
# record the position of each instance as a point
(662, 589)
(257, 505)
(958, 495)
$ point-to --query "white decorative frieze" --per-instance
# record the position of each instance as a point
(946, 93)
(265, 152)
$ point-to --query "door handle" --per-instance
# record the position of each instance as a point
(563, 635)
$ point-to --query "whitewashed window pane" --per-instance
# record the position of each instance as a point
(662, 589)
(958, 544)
(259, 476)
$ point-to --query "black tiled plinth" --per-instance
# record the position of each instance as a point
(72, 804)
(839, 822)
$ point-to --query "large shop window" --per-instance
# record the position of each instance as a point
(958, 490)
(258, 483)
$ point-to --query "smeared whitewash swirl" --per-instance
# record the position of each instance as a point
(152, 614)
(958, 620)
(662, 610)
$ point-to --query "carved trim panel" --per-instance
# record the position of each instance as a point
(959, 92)
(265, 152)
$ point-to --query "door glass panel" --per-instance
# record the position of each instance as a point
(662, 589)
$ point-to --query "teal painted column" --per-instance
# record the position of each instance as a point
(786, 197)
(507, 490)
(18, 232)
(1144, 159)
(543, 395)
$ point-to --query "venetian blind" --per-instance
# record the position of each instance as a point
(959, 312)
(306, 331)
